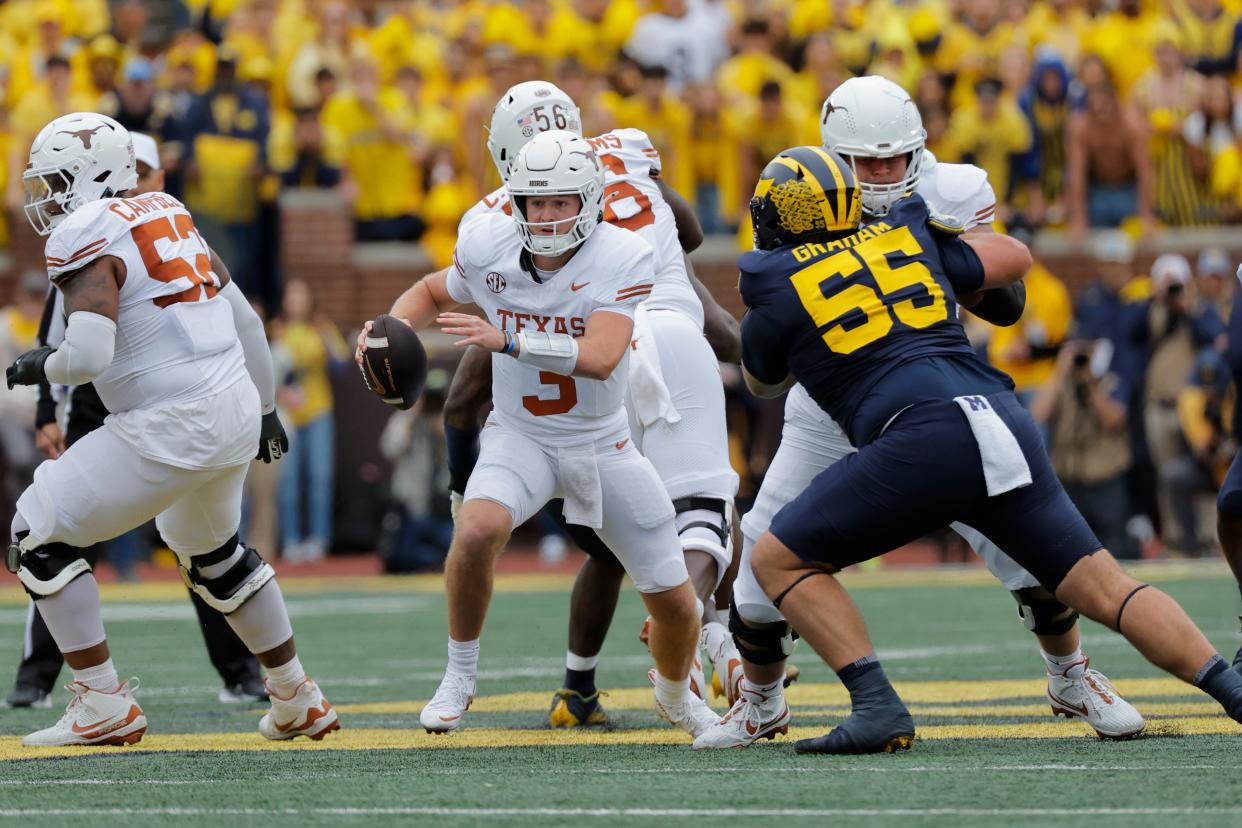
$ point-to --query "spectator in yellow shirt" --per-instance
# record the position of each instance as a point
(666, 120)
(715, 181)
(314, 349)
(372, 124)
(742, 76)
(990, 134)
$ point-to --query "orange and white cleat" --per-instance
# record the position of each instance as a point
(94, 717)
(307, 714)
(1092, 697)
(747, 722)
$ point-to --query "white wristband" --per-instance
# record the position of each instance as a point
(555, 352)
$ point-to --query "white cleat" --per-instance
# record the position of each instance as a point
(691, 715)
(452, 699)
(746, 723)
(307, 713)
(727, 672)
(95, 718)
(1092, 697)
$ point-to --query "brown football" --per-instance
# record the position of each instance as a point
(394, 365)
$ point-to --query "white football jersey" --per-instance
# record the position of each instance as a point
(632, 200)
(175, 339)
(611, 271)
(961, 191)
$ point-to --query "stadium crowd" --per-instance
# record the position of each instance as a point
(1086, 115)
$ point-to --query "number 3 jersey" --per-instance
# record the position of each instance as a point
(176, 343)
(868, 323)
(632, 200)
(611, 271)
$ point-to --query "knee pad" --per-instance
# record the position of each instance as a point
(762, 646)
(1039, 612)
(235, 586)
(703, 525)
(44, 570)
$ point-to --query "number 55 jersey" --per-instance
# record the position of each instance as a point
(176, 344)
(868, 323)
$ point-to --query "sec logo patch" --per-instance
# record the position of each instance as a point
(495, 282)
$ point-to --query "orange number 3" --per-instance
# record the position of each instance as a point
(203, 281)
(560, 404)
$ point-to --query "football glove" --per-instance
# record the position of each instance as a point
(27, 369)
(273, 442)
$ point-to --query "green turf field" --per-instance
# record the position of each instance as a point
(989, 753)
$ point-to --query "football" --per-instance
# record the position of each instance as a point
(394, 365)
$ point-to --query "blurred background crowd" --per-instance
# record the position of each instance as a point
(1101, 123)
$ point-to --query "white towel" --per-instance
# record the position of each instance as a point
(648, 392)
(1004, 464)
(584, 497)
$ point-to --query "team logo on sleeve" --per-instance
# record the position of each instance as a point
(495, 282)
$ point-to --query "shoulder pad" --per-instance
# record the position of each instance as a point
(962, 190)
(84, 235)
(481, 238)
(944, 223)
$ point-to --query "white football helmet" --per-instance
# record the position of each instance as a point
(875, 118)
(558, 162)
(76, 159)
(523, 112)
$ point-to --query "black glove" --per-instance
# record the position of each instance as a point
(273, 442)
(28, 368)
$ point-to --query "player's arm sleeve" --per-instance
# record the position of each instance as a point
(961, 264)
(90, 342)
(254, 345)
(51, 323)
(765, 354)
(1002, 306)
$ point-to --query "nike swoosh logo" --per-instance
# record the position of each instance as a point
(621, 444)
(574, 287)
(752, 729)
(1079, 708)
(312, 716)
(449, 718)
(94, 731)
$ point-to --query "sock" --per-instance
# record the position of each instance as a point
(285, 680)
(463, 452)
(866, 682)
(1222, 684)
(100, 677)
(1071, 666)
(463, 657)
(670, 692)
(73, 616)
(580, 673)
(762, 694)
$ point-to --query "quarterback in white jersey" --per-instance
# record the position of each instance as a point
(180, 360)
(558, 291)
(873, 123)
(675, 397)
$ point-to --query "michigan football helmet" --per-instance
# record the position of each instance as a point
(805, 194)
(76, 159)
(873, 117)
(556, 163)
(523, 112)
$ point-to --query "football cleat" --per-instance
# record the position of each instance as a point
(792, 672)
(94, 717)
(24, 695)
(691, 715)
(698, 679)
(306, 713)
(247, 691)
(746, 723)
(880, 725)
(452, 699)
(572, 709)
(1092, 697)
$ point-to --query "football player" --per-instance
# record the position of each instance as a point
(875, 126)
(181, 361)
(558, 289)
(866, 320)
(675, 399)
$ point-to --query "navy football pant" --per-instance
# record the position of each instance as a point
(925, 472)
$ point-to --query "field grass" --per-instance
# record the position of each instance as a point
(988, 753)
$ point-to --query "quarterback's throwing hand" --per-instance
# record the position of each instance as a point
(27, 369)
(475, 330)
(273, 442)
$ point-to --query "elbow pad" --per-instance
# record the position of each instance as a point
(1002, 306)
(90, 342)
(555, 352)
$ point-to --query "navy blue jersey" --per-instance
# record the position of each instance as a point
(867, 324)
